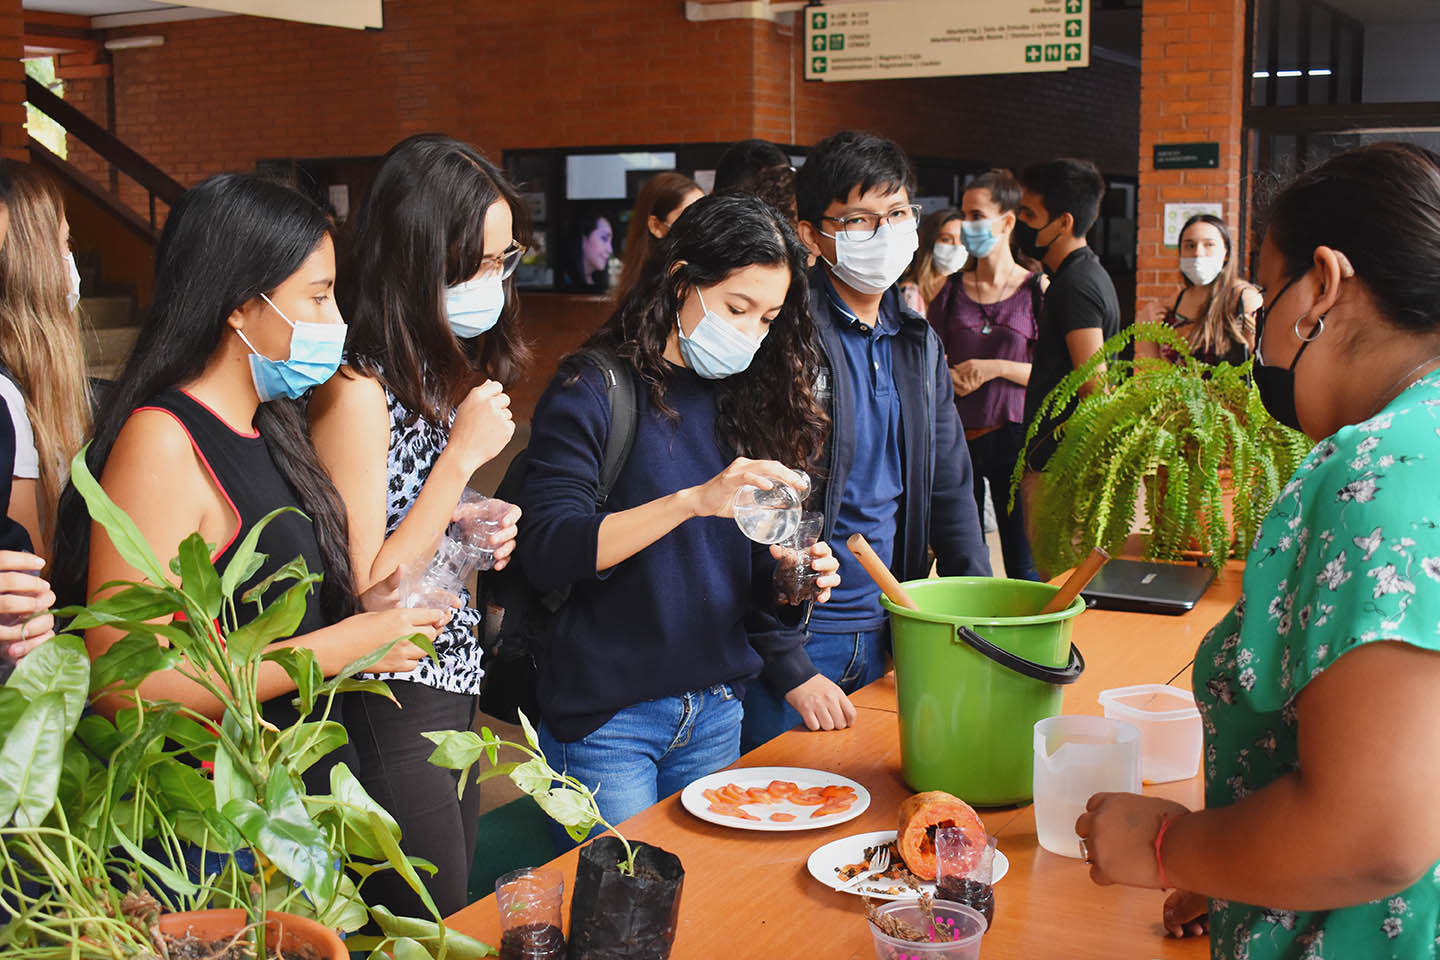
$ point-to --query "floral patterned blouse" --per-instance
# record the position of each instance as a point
(1349, 554)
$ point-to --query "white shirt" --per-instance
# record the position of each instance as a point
(27, 458)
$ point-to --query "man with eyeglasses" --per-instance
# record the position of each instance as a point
(896, 468)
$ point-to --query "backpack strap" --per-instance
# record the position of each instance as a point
(624, 416)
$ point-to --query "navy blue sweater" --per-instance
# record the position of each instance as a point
(691, 610)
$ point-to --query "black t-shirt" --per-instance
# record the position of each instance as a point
(1081, 295)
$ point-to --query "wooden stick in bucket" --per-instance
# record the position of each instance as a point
(879, 572)
(1077, 581)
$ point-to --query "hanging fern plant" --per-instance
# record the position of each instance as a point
(1181, 431)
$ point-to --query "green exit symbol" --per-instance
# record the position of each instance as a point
(817, 64)
(1072, 51)
(1072, 28)
(1052, 52)
(817, 42)
(1032, 53)
(1074, 6)
(819, 21)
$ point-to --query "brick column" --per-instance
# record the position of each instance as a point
(1192, 89)
(12, 81)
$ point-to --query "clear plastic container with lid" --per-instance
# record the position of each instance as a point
(1171, 738)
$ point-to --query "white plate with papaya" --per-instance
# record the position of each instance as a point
(775, 798)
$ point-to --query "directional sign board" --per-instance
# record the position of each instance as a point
(886, 39)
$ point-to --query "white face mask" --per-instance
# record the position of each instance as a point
(872, 266)
(1201, 271)
(948, 257)
(72, 295)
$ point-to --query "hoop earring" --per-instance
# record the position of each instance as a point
(1314, 334)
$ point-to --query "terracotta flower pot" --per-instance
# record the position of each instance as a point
(284, 928)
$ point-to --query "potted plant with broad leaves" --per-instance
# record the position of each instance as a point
(1185, 435)
(114, 840)
(626, 899)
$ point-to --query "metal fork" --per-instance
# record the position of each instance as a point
(879, 863)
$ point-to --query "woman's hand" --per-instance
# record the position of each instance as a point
(1152, 312)
(1119, 832)
(822, 704)
(1186, 914)
(382, 627)
(23, 595)
(971, 375)
(483, 425)
(716, 497)
(825, 564)
(386, 595)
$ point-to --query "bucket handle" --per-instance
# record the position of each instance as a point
(1029, 668)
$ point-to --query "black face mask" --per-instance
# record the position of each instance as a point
(1028, 238)
(1277, 384)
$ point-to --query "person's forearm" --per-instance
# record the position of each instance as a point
(1285, 848)
(1089, 386)
(415, 538)
(1016, 371)
(624, 534)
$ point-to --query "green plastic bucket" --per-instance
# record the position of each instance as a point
(975, 668)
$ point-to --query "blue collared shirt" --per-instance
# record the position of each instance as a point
(871, 500)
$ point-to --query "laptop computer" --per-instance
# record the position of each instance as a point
(1148, 587)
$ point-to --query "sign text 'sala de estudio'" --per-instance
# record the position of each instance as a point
(887, 39)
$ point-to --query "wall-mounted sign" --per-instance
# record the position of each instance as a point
(1187, 156)
(1177, 213)
(887, 39)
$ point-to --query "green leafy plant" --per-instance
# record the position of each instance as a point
(564, 799)
(1179, 431)
(104, 825)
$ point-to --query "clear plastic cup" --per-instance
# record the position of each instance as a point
(530, 927)
(964, 870)
(954, 935)
(478, 519)
(795, 575)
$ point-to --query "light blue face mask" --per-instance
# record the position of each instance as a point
(474, 306)
(978, 236)
(316, 350)
(714, 349)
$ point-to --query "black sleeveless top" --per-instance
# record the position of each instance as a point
(12, 535)
(241, 466)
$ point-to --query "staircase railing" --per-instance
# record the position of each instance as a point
(157, 184)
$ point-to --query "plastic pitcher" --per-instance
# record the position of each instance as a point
(1171, 738)
(975, 667)
(1076, 758)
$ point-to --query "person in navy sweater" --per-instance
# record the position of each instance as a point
(670, 612)
(896, 468)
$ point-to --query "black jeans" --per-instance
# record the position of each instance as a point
(395, 769)
(992, 457)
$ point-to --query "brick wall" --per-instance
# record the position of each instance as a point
(12, 82)
(1192, 89)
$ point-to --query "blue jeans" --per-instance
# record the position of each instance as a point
(648, 751)
(850, 659)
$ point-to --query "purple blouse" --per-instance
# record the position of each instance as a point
(993, 331)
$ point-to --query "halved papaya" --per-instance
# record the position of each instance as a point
(923, 814)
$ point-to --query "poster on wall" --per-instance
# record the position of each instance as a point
(1177, 213)
(888, 39)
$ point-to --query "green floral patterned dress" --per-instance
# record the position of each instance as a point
(1349, 554)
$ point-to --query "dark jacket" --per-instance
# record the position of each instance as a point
(938, 511)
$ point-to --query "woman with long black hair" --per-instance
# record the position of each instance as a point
(426, 288)
(202, 432)
(670, 611)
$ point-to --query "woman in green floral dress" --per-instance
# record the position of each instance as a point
(1320, 690)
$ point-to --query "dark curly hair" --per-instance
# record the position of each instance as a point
(769, 410)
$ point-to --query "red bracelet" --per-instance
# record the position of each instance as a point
(1160, 860)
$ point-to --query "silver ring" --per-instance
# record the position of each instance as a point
(1085, 851)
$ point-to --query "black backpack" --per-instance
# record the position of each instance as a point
(517, 616)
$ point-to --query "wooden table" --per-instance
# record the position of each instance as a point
(747, 894)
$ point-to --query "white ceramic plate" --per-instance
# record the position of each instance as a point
(692, 798)
(824, 863)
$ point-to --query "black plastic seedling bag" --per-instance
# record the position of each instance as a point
(615, 917)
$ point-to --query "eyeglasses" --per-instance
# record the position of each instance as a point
(505, 263)
(863, 226)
